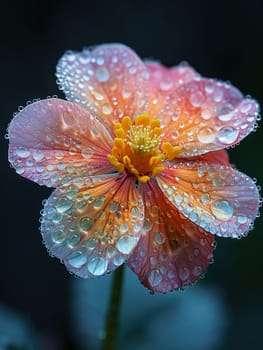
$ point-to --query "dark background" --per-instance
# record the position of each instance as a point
(221, 39)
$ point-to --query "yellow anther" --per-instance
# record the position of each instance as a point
(155, 123)
(143, 178)
(126, 123)
(143, 120)
(170, 151)
(155, 160)
(120, 167)
(157, 131)
(157, 170)
(120, 133)
(117, 126)
(119, 143)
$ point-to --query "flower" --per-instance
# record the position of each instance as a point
(138, 162)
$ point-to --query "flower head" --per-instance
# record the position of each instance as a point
(137, 159)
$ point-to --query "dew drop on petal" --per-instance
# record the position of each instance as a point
(155, 278)
(184, 273)
(126, 243)
(77, 259)
(102, 74)
(58, 236)
(63, 204)
(97, 266)
(85, 224)
(241, 219)
(38, 155)
(206, 135)
(159, 237)
(227, 135)
(222, 209)
(22, 152)
(107, 109)
(197, 99)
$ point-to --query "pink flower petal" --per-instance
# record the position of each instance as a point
(110, 81)
(165, 80)
(94, 228)
(216, 157)
(218, 198)
(172, 252)
(206, 115)
(54, 141)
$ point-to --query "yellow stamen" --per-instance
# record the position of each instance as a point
(137, 148)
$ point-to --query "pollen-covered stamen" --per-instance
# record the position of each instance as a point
(137, 148)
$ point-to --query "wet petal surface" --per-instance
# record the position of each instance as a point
(111, 81)
(172, 252)
(207, 115)
(218, 198)
(94, 228)
(54, 142)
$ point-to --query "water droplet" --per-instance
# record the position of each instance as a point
(222, 209)
(77, 259)
(225, 112)
(97, 266)
(58, 236)
(98, 203)
(113, 207)
(85, 224)
(159, 237)
(205, 198)
(73, 240)
(206, 135)
(166, 84)
(38, 155)
(126, 243)
(91, 243)
(110, 252)
(197, 98)
(87, 152)
(206, 114)
(184, 273)
(196, 271)
(155, 278)
(63, 204)
(227, 135)
(241, 219)
(22, 152)
(102, 74)
(20, 170)
(107, 109)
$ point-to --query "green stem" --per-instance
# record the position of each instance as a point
(112, 318)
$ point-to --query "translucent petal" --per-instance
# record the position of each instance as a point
(165, 80)
(207, 115)
(172, 252)
(54, 141)
(111, 81)
(93, 228)
(218, 198)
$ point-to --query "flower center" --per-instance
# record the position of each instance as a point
(137, 148)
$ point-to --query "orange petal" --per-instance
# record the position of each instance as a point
(218, 198)
(54, 141)
(93, 228)
(172, 252)
(216, 157)
(206, 115)
(111, 81)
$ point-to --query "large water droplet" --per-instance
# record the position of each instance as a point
(22, 152)
(77, 259)
(155, 278)
(63, 204)
(102, 74)
(159, 237)
(184, 273)
(222, 209)
(227, 135)
(58, 236)
(197, 98)
(126, 244)
(86, 223)
(97, 266)
(206, 135)
(38, 155)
